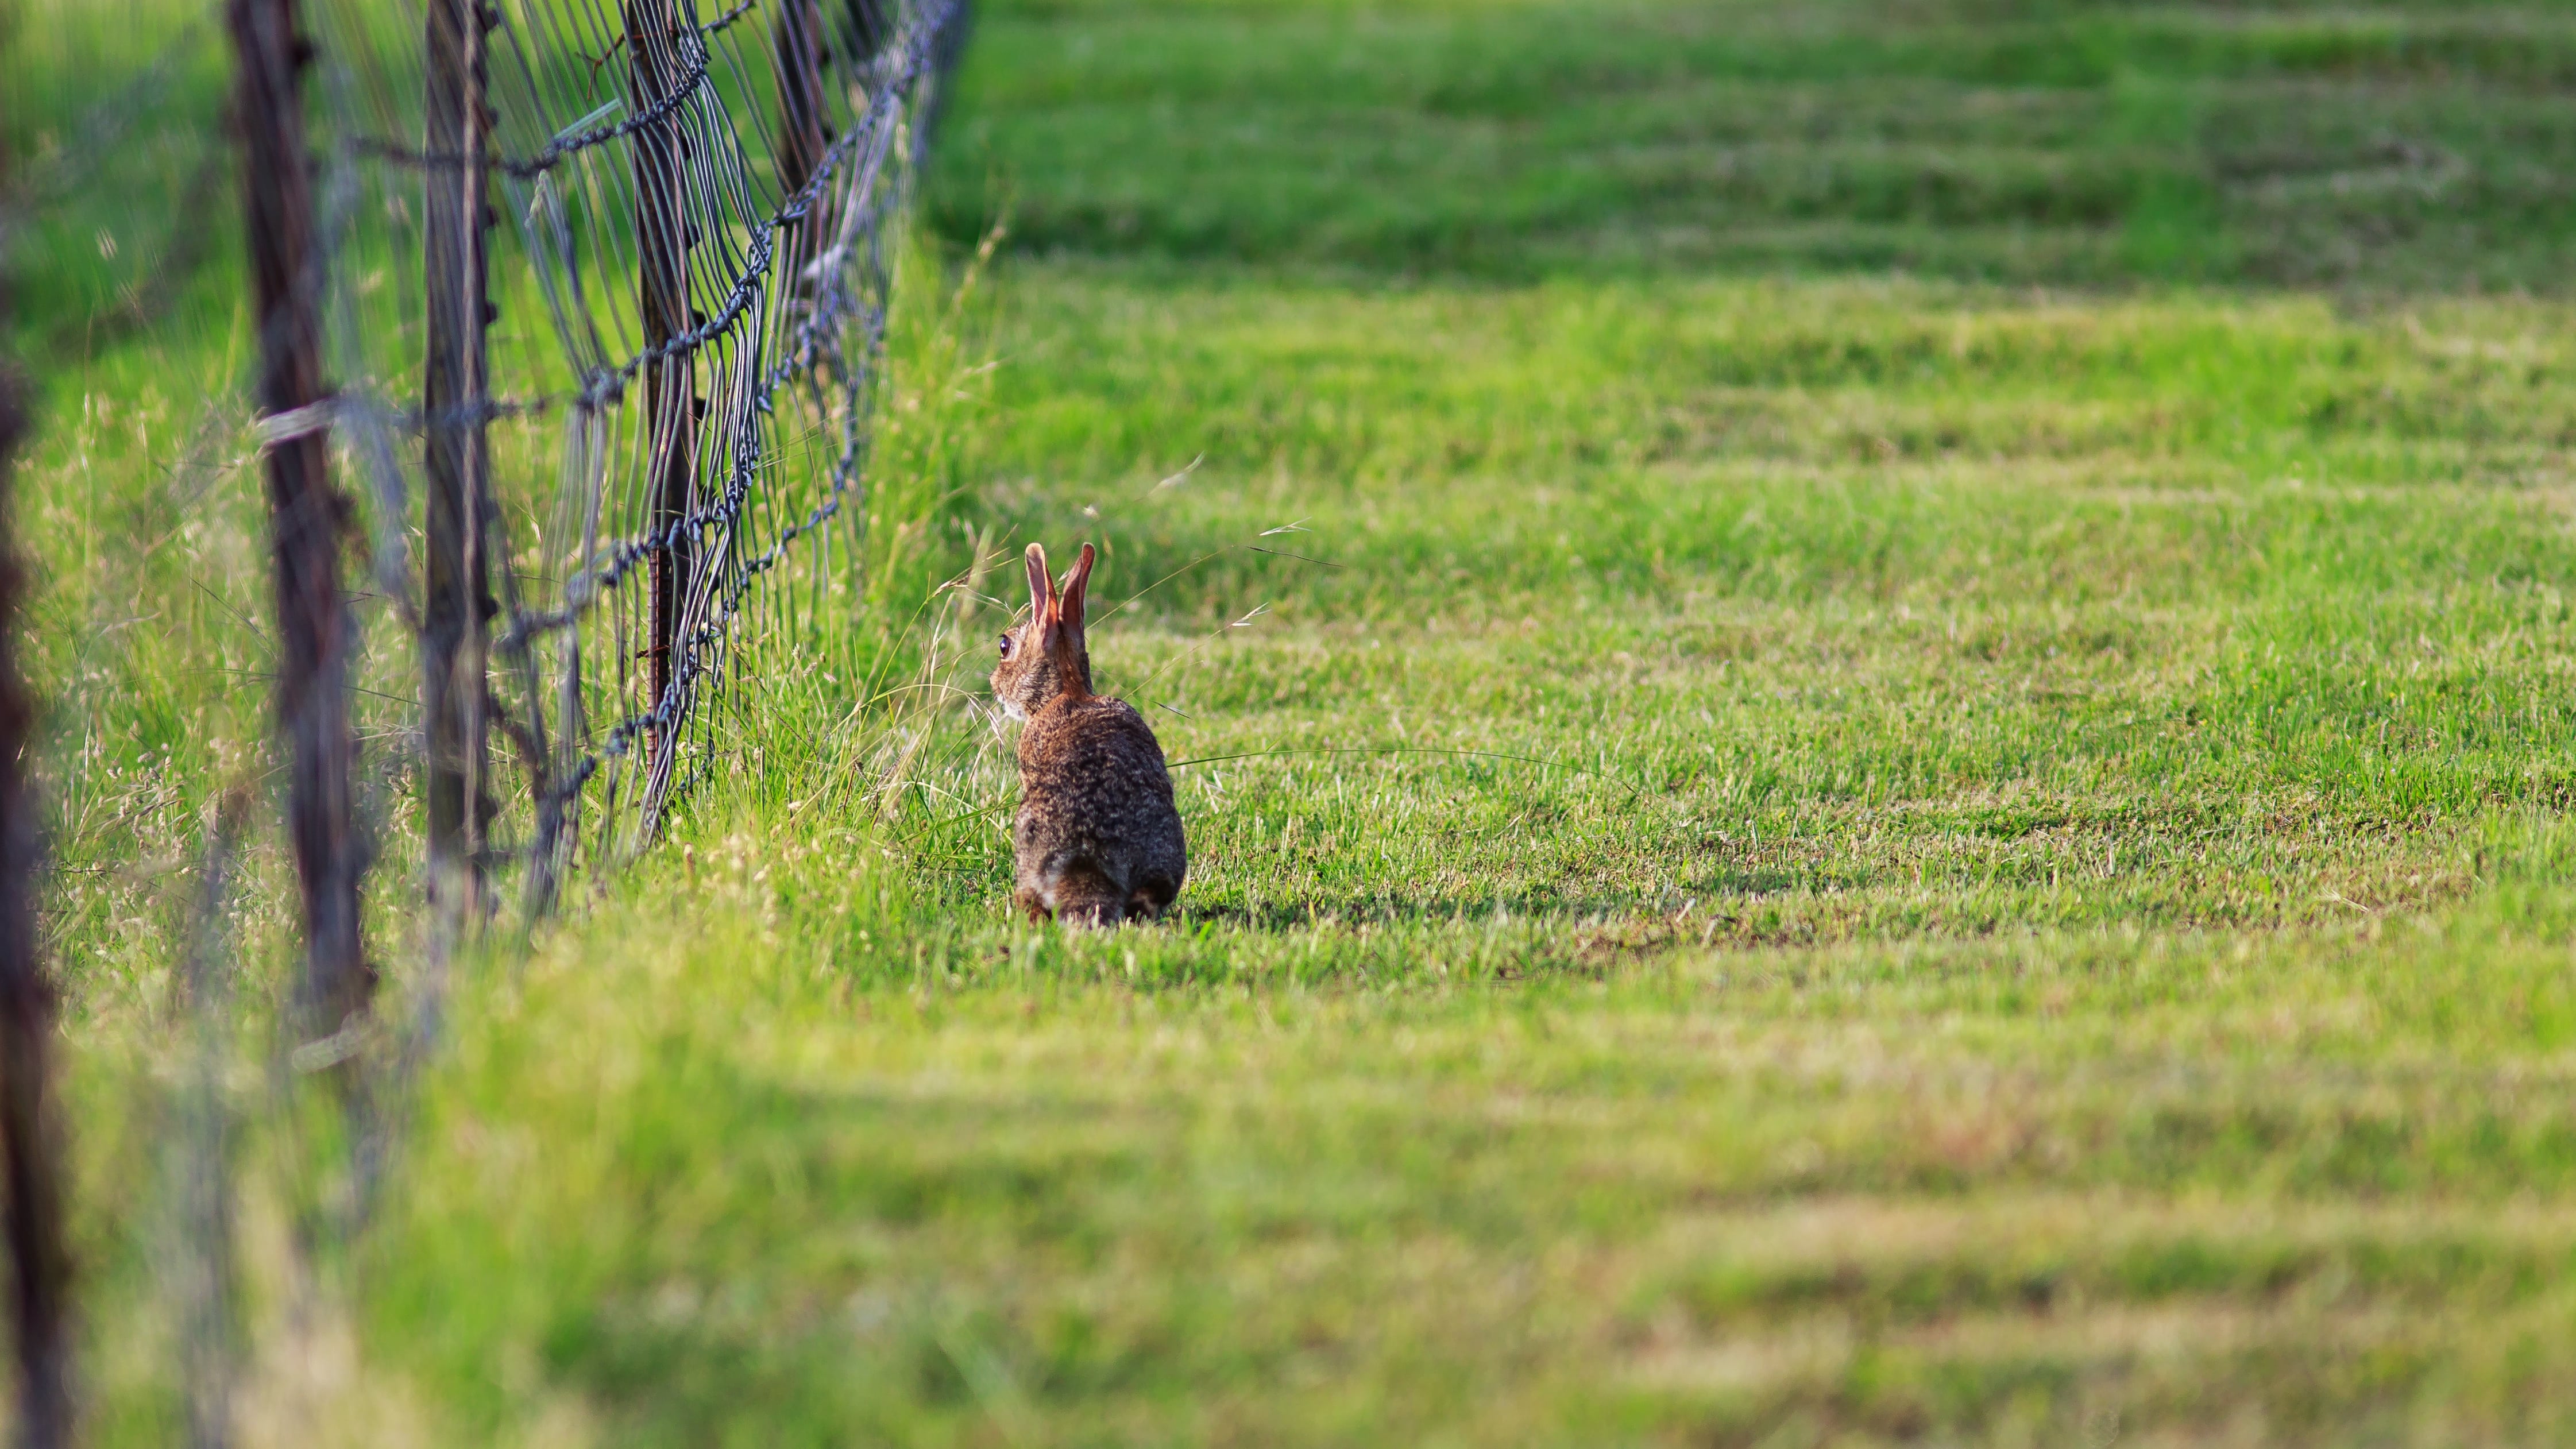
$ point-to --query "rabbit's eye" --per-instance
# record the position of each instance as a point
(1006, 646)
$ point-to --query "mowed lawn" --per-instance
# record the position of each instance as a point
(1874, 704)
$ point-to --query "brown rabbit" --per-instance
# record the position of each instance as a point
(1098, 838)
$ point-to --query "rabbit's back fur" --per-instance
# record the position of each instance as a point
(1099, 837)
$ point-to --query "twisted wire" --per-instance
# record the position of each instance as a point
(586, 197)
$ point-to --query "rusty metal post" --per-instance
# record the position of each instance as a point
(662, 244)
(455, 394)
(30, 1125)
(306, 514)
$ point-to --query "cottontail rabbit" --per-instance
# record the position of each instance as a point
(1098, 838)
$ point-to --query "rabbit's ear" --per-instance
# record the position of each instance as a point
(1041, 588)
(1077, 582)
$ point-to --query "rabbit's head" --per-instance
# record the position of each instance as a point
(1044, 657)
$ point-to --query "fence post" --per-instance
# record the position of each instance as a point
(40, 1261)
(457, 604)
(866, 28)
(797, 55)
(306, 514)
(670, 393)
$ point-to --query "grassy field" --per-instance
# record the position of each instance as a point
(1877, 703)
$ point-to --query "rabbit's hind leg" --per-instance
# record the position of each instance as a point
(1152, 897)
(1031, 902)
(1082, 896)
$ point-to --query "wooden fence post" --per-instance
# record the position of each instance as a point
(662, 245)
(306, 514)
(457, 604)
(797, 56)
(30, 1131)
(866, 28)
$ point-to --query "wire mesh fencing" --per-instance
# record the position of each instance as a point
(587, 303)
(603, 289)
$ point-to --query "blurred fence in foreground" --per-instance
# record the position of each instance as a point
(569, 319)
(686, 216)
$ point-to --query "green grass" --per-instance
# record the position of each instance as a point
(2390, 145)
(1913, 786)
